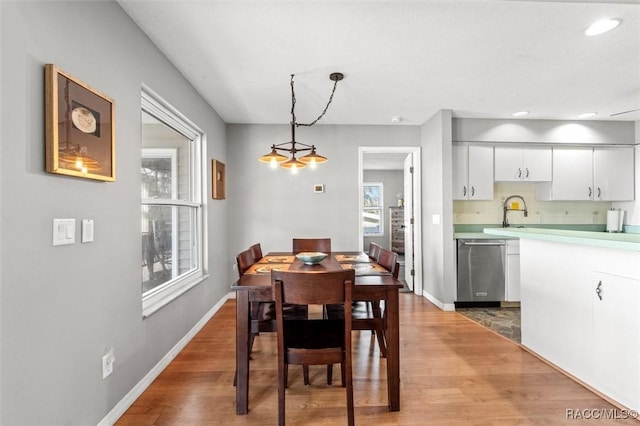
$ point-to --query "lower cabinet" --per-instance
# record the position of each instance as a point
(581, 311)
(616, 337)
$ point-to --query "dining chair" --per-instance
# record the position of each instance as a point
(262, 314)
(374, 250)
(389, 261)
(256, 251)
(244, 260)
(311, 244)
(315, 341)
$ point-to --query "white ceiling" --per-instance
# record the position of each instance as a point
(408, 59)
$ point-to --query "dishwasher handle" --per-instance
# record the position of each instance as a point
(492, 243)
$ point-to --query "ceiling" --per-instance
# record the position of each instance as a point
(406, 59)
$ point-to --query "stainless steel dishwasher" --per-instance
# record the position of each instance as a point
(481, 271)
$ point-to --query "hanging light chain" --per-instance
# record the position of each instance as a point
(293, 102)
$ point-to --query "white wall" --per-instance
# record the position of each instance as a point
(274, 206)
(62, 306)
(633, 207)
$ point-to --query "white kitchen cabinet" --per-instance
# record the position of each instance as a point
(613, 173)
(565, 322)
(472, 172)
(616, 337)
(590, 173)
(512, 291)
(523, 164)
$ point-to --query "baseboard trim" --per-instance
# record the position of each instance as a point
(128, 400)
(443, 306)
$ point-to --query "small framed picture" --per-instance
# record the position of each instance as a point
(318, 188)
(218, 180)
(80, 128)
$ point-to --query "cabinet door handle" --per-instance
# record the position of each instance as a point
(599, 192)
(527, 175)
(473, 191)
(464, 190)
(519, 172)
(599, 290)
(589, 192)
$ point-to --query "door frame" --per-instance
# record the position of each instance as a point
(417, 203)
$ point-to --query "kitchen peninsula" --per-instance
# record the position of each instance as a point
(580, 302)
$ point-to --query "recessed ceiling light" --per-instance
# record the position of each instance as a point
(395, 119)
(602, 26)
(588, 115)
(520, 114)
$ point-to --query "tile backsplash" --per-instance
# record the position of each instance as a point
(547, 212)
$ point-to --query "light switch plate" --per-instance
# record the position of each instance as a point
(64, 231)
(87, 230)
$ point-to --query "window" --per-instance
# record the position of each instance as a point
(372, 210)
(172, 206)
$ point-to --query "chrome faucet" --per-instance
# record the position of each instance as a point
(506, 207)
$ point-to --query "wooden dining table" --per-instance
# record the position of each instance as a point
(371, 283)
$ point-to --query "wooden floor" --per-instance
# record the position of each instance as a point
(453, 372)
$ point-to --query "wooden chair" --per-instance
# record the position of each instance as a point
(374, 251)
(256, 251)
(319, 341)
(244, 260)
(389, 261)
(311, 244)
(263, 316)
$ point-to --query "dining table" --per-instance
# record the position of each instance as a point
(372, 282)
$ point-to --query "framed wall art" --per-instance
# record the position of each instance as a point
(219, 180)
(80, 128)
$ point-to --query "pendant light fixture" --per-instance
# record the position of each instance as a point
(293, 163)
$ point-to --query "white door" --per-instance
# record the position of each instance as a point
(408, 221)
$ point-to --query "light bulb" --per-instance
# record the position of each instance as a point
(79, 163)
(294, 169)
(273, 163)
(313, 163)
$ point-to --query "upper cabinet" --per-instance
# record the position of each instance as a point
(590, 174)
(472, 172)
(523, 164)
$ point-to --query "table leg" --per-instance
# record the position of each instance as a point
(393, 349)
(242, 351)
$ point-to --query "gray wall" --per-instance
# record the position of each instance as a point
(437, 210)
(61, 306)
(392, 184)
(285, 204)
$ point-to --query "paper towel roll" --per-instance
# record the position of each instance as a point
(614, 220)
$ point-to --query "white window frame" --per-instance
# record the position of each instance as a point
(155, 299)
(379, 208)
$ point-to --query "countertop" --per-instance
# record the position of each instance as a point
(620, 241)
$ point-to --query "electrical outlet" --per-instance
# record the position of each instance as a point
(107, 363)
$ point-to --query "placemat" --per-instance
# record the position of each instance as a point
(263, 268)
(277, 259)
(366, 268)
(353, 258)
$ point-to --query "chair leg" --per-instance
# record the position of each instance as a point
(377, 313)
(305, 374)
(282, 384)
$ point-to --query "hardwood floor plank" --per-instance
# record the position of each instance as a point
(453, 371)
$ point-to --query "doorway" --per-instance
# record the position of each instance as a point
(401, 163)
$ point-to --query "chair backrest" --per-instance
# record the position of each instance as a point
(244, 260)
(322, 288)
(389, 261)
(374, 250)
(256, 251)
(311, 244)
